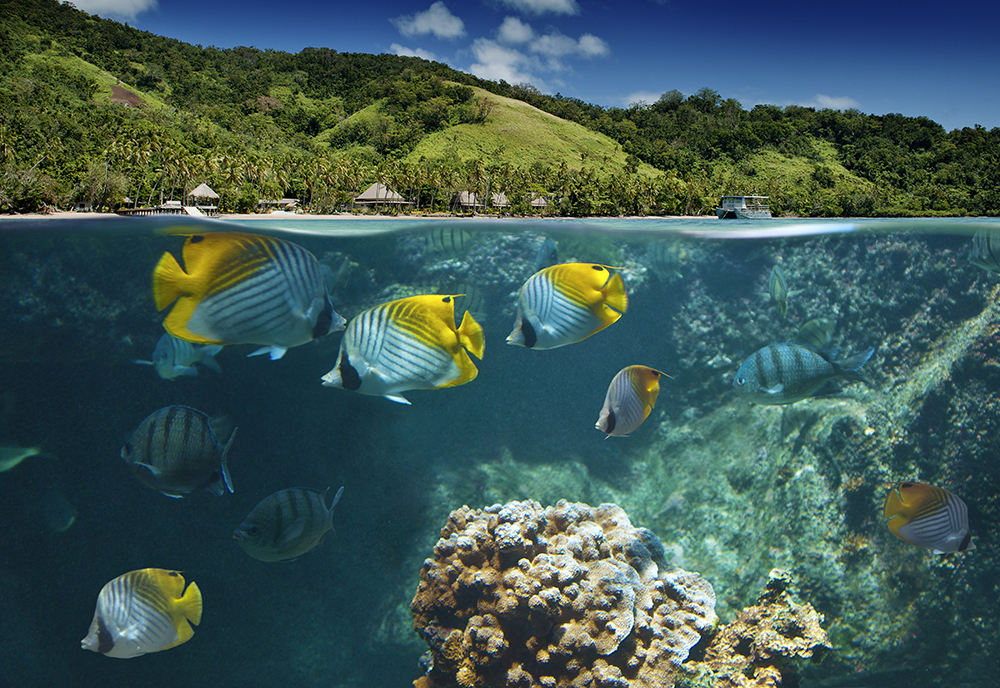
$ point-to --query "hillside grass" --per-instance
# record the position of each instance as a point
(522, 135)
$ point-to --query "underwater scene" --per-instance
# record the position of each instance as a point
(489, 453)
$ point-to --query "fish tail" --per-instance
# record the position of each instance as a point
(190, 604)
(614, 294)
(470, 335)
(851, 367)
(208, 357)
(168, 278)
(225, 465)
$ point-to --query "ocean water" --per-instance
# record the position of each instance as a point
(732, 490)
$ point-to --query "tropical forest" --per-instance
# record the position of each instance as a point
(97, 114)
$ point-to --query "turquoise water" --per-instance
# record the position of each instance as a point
(731, 490)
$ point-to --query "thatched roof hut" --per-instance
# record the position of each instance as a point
(203, 191)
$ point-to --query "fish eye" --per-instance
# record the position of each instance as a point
(253, 530)
(127, 449)
(741, 381)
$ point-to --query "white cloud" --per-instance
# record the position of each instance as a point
(590, 45)
(403, 51)
(834, 102)
(124, 9)
(513, 30)
(543, 6)
(495, 61)
(436, 20)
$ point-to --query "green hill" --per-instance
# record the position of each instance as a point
(94, 111)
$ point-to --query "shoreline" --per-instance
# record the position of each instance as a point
(73, 214)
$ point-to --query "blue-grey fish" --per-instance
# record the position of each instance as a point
(448, 242)
(238, 288)
(665, 257)
(173, 357)
(143, 611)
(175, 450)
(547, 256)
(817, 332)
(985, 251)
(12, 456)
(287, 524)
(928, 516)
(786, 373)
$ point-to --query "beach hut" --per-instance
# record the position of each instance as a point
(203, 191)
(379, 194)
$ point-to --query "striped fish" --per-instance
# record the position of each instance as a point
(786, 373)
(985, 251)
(567, 303)
(244, 289)
(447, 242)
(928, 516)
(173, 357)
(175, 450)
(631, 396)
(143, 611)
(287, 524)
(410, 343)
(818, 332)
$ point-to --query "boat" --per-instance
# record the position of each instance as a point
(743, 208)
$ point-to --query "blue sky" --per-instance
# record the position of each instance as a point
(940, 60)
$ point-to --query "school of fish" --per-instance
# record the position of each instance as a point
(236, 288)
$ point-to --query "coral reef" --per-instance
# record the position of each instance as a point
(763, 639)
(518, 595)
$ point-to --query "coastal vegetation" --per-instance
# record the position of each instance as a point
(93, 112)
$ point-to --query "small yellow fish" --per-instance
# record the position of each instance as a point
(240, 288)
(409, 343)
(928, 516)
(143, 611)
(631, 396)
(567, 303)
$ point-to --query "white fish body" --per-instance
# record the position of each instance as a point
(141, 612)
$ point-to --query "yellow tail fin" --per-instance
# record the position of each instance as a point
(190, 604)
(167, 280)
(614, 293)
(470, 335)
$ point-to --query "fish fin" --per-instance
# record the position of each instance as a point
(156, 472)
(399, 399)
(470, 335)
(777, 389)
(851, 366)
(183, 371)
(168, 281)
(615, 296)
(141, 362)
(292, 532)
(468, 369)
(225, 479)
(190, 604)
(796, 292)
(208, 357)
(336, 498)
(171, 495)
(275, 352)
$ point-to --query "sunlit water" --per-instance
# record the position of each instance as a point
(76, 310)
